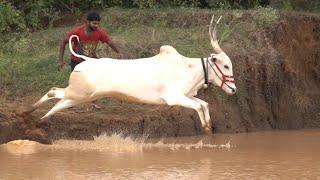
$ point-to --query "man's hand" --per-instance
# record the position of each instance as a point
(61, 65)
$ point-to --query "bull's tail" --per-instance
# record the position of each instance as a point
(74, 53)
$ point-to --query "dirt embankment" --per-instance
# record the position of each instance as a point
(278, 78)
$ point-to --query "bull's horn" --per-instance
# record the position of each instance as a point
(213, 34)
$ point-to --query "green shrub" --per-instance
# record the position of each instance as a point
(223, 4)
(266, 16)
(144, 3)
(297, 5)
(37, 13)
(11, 19)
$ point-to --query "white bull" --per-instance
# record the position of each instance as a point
(167, 78)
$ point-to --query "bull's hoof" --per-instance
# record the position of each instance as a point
(208, 130)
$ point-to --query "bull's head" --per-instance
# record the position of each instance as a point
(219, 65)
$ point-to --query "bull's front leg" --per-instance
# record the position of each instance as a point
(205, 109)
(181, 100)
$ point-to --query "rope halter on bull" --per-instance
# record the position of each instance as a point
(223, 78)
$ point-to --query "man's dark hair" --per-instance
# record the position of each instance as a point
(93, 16)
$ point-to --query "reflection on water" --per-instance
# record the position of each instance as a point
(267, 155)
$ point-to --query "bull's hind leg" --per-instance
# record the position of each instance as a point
(54, 93)
(62, 104)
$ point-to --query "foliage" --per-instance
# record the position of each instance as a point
(145, 3)
(223, 4)
(11, 19)
(17, 15)
(287, 5)
(37, 13)
(297, 5)
(266, 16)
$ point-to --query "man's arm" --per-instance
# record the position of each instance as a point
(113, 46)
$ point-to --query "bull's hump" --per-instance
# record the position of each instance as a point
(168, 51)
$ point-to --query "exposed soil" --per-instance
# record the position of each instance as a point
(278, 81)
(85, 121)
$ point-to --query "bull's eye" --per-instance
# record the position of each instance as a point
(225, 66)
(214, 59)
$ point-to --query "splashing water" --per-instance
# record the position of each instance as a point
(114, 143)
(198, 145)
(117, 143)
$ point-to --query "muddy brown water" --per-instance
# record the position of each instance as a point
(262, 155)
